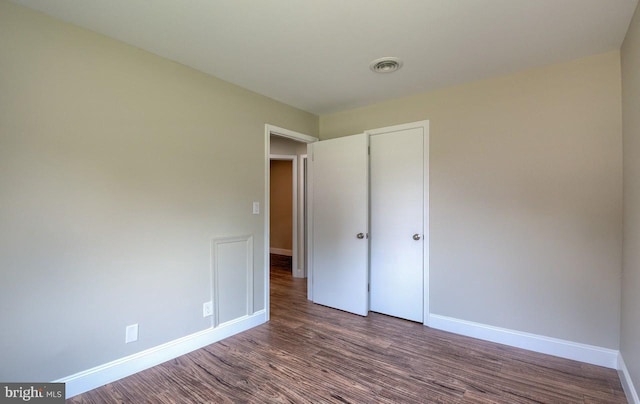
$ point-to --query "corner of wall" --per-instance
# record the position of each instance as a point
(627, 384)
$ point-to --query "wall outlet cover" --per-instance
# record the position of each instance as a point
(207, 309)
(131, 333)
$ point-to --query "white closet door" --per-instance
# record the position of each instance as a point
(339, 196)
(397, 234)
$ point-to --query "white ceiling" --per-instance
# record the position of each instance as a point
(315, 54)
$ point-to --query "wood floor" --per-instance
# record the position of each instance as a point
(310, 353)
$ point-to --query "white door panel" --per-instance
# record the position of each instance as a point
(397, 209)
(339, 171)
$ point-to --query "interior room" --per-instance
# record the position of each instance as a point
(136, 150)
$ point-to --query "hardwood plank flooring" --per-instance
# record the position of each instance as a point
(313, 354)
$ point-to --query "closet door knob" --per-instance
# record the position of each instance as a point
(416, 236)
(360, 235)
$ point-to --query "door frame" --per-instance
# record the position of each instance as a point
(302, 203)
(294, 207)
(297, 136)
(425, 126)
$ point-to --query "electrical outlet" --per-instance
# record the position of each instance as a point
(207, 309)
(131, 333)
(256, 208)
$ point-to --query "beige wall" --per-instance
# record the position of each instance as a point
(630, 331)
(525, 196)
(284, 146)
(281, 205)
(117, 168)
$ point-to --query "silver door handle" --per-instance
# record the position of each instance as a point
(360, 235)
(416, 236)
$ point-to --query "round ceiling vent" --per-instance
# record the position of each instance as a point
(385, 65)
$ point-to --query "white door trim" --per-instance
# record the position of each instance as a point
(300, 137)
(425, 126)
(302, 225)
(294, 208)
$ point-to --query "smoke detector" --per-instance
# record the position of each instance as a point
(385, 65)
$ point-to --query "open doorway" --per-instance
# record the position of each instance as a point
(285, 230)
(287, 203)
(284, 243)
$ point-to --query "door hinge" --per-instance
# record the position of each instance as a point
(369, 150)
(368, 287)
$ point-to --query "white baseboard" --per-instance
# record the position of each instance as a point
(298, 273)
(281, 251)
(627, 383)
(109, 372)
(538, 343)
